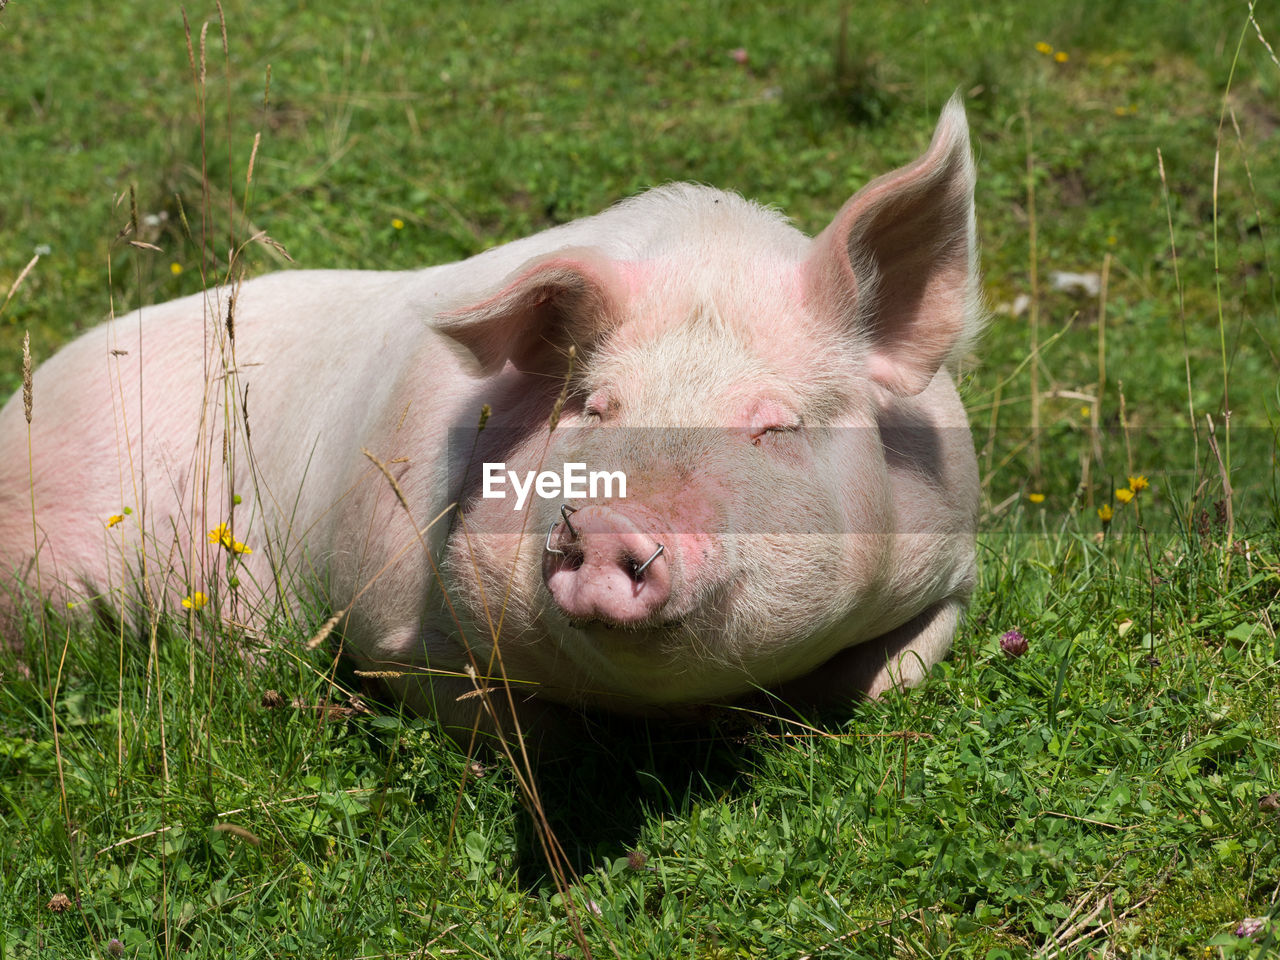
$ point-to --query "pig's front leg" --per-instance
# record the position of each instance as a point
(900, 658)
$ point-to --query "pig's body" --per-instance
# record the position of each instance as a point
(802, 481)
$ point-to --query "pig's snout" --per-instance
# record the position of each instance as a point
(600, 566)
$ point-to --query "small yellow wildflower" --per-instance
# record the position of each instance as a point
(1112, 240)
(175, 268)
(1044, 48)
(221, 535)
(397, 224)
(71, 604)
(1138, 483)
(1036, 497)
(1124, 494)
(1085, 411)
(114, 519)
(195, 601)
(1105, 513)
(1060, 56)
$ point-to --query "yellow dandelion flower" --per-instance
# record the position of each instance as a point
(1138, 483)
(1124, 494)
(1036, 497)
(1105, 513)
(1085, 411)
(195, 601)
(114, 519)
(1044, 48)
(175, 268)
(239, 548)
(1060, 56)
(397, 224)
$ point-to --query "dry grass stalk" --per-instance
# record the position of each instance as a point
(182, 216)
(244, 414)
(222, 21)
(238, 831)
(564, 390)
(186, 26)
(327, 628)
(133, 210)
(1256, 27)
(395, 487)
(253, 156)
(13, 288)
(332, 711)
(204, 40)
(522, 768)
(26, 376)
(262, 238)
(231, 316)
(1070, 935)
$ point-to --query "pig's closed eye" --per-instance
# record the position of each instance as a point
(759, 434)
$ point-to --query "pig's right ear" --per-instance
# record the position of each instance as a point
(897, 268)
(568, 298)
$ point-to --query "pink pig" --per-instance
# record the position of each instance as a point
(801, 489)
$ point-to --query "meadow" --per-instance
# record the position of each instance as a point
(1110, 791)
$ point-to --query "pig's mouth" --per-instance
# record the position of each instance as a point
(603, 571)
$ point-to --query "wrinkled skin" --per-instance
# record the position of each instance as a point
(801, 481)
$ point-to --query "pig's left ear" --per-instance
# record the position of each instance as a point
(898, 265)
(567, 298)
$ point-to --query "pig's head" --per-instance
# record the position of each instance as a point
(734, 371)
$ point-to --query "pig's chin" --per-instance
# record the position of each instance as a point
(656, 633)
(647, 667)
(651, 643)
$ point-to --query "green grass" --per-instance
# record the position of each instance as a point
(1100, 793)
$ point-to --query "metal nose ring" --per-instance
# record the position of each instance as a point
(656, 554)
(565, 510)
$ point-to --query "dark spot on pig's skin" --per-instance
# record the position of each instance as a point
(911, 443)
